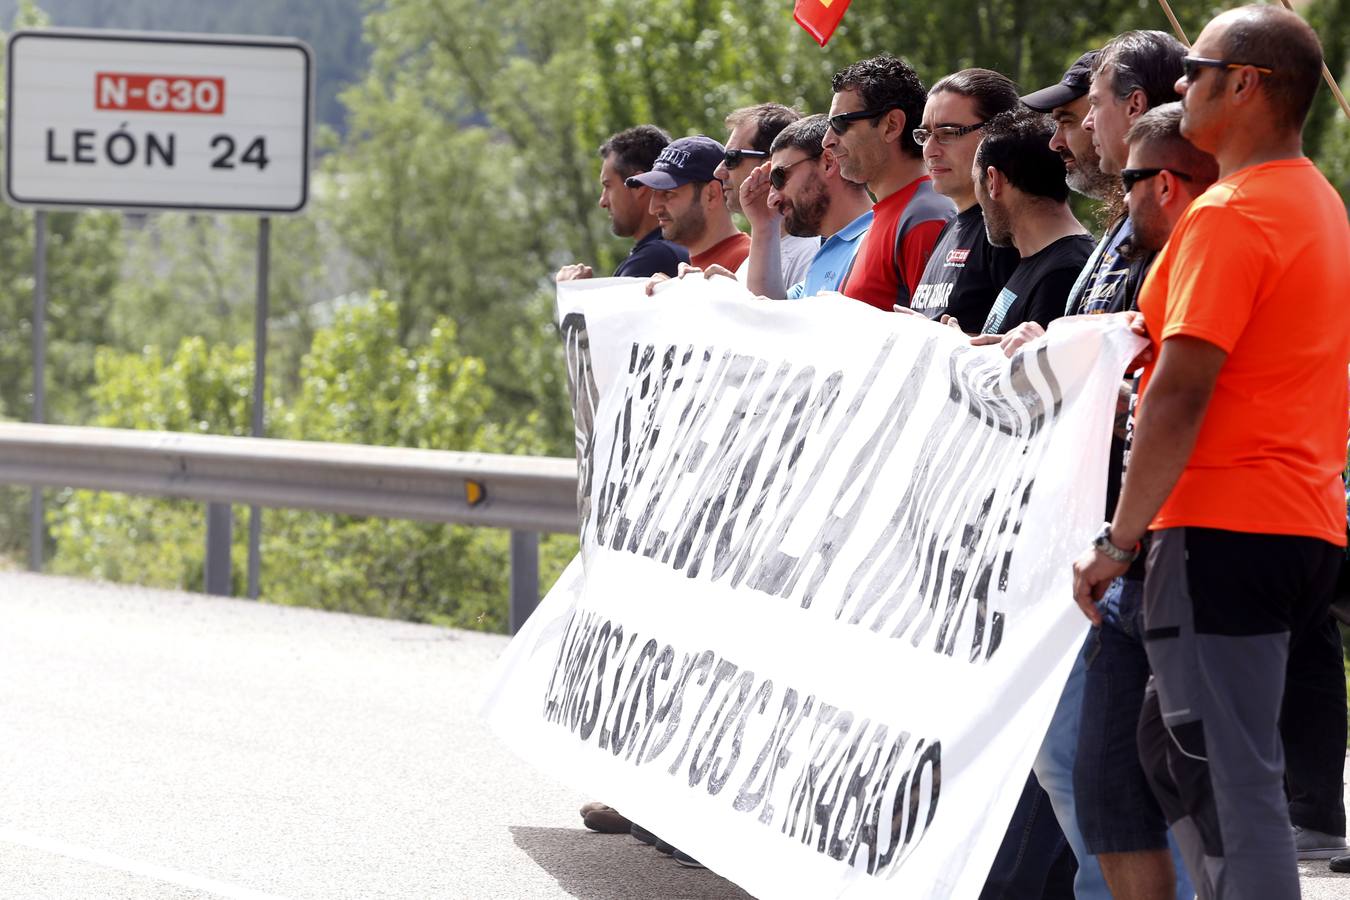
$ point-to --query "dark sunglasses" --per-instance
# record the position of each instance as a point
(840, 124)
(1130, 177)
(734, 158)
(1191, 66)
(778, 175)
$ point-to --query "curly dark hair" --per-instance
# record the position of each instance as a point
(887, 82)
(1017, 143)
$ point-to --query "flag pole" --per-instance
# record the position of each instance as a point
(1176, 26)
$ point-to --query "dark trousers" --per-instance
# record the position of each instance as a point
(1034, 861)
(1221, 611)
(1313, 728)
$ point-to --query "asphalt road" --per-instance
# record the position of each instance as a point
(156, 744)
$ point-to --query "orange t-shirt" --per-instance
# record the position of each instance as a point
(1259, 266)
(730, 252)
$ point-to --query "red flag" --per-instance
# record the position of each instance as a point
(820, 17)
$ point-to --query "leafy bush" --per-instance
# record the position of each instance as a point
(358, 384)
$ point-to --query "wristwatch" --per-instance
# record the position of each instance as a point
(1102, 544)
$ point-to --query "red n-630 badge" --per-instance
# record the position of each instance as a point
(159, 93)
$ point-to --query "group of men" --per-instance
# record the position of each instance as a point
(1198, 747)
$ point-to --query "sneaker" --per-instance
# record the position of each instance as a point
(685, 859)
(663, 847)
(642, 834)
(1340, 864)
(1316, 845)
(606, 820)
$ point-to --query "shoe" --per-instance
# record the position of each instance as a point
(1316, 845)
(592, 807)
(606, 820)
(642, 834)
(685, 859)
(1340, 864)
(663, 847)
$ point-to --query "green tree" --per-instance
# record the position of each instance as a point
(485, 188)
(189, 275)
(331, 27)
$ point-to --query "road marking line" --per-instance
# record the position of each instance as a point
(146, 870)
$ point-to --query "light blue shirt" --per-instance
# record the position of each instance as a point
(832, 261)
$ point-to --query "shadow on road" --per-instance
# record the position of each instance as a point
(617, 867)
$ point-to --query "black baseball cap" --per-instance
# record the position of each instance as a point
(1073, 85)
(684, 160)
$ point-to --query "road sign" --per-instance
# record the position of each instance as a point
(156, 121)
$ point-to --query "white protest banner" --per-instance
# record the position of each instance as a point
(822, 613)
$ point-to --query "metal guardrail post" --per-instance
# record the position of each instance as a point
(524, 576)
(219, 528)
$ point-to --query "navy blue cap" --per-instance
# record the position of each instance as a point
(684, 160)
(1073, 85)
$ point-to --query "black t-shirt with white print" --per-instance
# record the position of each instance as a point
(1039, 290)
(965, 272)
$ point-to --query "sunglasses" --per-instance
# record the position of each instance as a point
(1130, 177)
(734, 158)
(778, 175)
(1191, 66)
(840, 124)
(945, 134)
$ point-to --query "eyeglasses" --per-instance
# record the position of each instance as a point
(1191, 66)
(1130, 177)
(840, 124)
(735, 157)
(778, 174)
(945, 134)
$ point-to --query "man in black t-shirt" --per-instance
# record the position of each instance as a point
(1019, 183)
(628, 153)
(965, 272)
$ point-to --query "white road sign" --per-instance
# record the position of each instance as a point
(152, 121)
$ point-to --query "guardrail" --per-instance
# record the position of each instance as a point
(526, 494)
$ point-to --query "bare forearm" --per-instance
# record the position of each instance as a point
(765, 273)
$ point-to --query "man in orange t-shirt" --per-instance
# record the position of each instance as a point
(1239, 446)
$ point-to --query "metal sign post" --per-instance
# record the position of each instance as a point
(259, 397)
(37, 530)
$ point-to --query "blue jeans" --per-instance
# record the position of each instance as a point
(1024, 868)
(1054, 769)
(1117, 812)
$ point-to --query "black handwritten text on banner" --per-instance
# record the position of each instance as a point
(821, 618)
